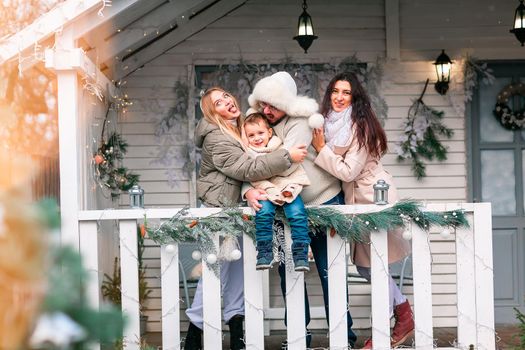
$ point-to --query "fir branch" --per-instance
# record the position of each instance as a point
(420, 139)
(473, 73)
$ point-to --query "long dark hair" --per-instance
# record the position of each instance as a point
(368, 130)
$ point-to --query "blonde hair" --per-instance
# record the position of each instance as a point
(210, 114)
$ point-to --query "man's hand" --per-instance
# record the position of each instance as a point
(318, 141)
(253, 196)
(298, 153)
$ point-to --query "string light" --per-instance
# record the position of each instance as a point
(105, 3)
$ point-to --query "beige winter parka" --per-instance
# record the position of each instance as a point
(359, 171)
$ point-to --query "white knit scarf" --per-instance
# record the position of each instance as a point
(337, 127)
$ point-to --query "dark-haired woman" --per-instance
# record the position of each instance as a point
(350, 147)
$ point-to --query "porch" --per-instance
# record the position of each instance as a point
(444, 336)
(473, 286)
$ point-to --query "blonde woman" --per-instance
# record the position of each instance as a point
(224, 167)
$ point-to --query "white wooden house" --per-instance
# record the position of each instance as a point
(143, 47)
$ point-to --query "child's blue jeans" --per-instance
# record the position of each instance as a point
(295, 214)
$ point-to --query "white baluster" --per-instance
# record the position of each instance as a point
(129, 266)
(337, 291)
(169, 267)
(253, 297)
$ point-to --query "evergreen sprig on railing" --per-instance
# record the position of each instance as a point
(232, 222)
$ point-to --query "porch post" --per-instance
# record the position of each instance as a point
(68, 116)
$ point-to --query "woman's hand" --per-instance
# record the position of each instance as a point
(298, 153)
(253, 196)
(318, 141)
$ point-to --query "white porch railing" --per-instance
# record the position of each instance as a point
(474, 283)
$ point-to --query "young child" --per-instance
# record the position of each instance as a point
(282, 190)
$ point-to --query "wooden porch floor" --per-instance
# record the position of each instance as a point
(506, 338)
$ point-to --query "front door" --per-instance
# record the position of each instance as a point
(497, 173)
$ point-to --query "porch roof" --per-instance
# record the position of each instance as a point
(119, 36)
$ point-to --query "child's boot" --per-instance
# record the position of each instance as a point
(264, 255)
(300, 256)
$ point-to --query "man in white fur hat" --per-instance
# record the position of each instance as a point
(292, 117)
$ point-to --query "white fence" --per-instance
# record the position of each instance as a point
(474, 283)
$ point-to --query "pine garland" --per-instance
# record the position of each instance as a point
(420, 138)
(353, 228)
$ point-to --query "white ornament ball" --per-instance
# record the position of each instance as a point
(235, 254)
(445, 233)
(367, 223)
(316, 121)
(407, 235)
(211, 259)
(196, 255)
(170, 249)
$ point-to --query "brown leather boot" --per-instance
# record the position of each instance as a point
(404, 326)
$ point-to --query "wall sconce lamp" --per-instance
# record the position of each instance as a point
(519, 23)
(443, 66)
(305, 29)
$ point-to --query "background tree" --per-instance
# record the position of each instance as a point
(28, 108)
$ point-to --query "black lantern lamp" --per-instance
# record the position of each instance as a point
(519, 23)
(443, 66)
(136, 197)
(305, 29)
(381, 192)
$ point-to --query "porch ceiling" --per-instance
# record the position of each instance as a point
(122, 37)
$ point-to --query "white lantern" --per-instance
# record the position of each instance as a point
(136, 197)
(381, 192)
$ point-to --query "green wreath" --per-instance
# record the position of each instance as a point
(508, 118)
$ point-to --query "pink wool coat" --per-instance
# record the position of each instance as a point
(359, 171)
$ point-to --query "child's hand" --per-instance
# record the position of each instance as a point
(298, 153)
(318, 141)
(253, 196)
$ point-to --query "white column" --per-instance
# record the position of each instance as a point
(68, 115)
(484, 276)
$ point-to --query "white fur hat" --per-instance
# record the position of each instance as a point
(280, 91)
